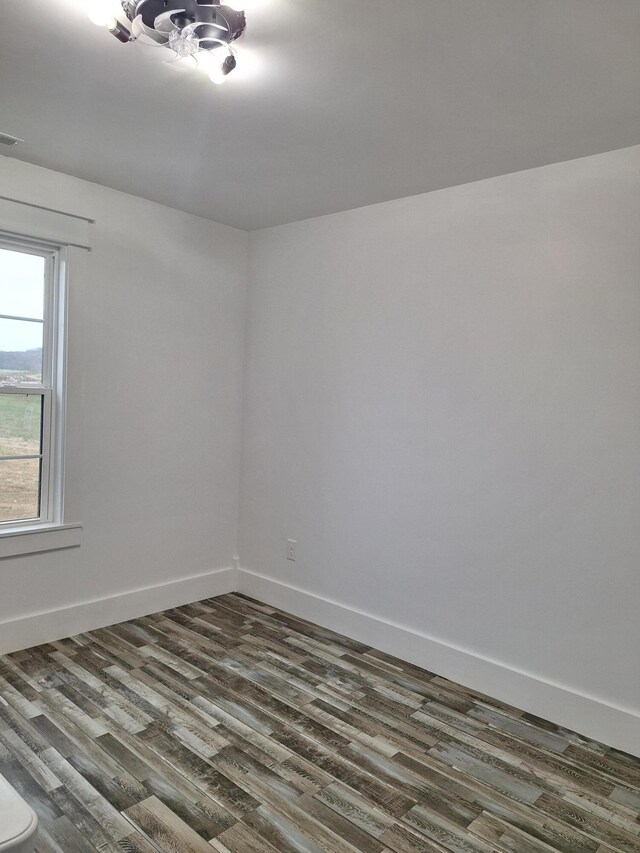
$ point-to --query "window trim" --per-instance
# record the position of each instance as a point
(52, 388)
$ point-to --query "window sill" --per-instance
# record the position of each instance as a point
(42, 537)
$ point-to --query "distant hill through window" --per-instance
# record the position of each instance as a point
(29, 360)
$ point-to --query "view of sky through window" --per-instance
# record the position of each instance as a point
(21, 295)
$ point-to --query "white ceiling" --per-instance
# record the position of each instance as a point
(335, 103)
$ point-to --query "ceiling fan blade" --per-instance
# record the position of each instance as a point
(190, 29)
(182, 63)
(144, 35)
(164, 24)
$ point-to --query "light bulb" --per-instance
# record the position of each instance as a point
(103, 12)
(102, 20)
(219, 64)
(209, 59)
(217, 75)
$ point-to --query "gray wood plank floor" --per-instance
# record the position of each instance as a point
(228, 725)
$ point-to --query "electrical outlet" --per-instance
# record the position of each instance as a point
(291, 549)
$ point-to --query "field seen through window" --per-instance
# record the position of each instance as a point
(20, 418)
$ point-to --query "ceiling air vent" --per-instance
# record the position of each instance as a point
(5, 139)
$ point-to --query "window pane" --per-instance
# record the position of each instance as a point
(21, 284)
(20, 352)
(19, 489)
(20, 424)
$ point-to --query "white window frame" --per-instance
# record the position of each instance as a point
(52, 387)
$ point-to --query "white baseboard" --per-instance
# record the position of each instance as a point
(590, 716)
(37, 628)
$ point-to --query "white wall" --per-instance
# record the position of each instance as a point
(443, 409)
(154, 410)
(441, 405)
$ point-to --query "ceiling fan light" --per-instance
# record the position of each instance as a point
(217, 75)
(208, 60)
(101, 20)
(219, 72)
(103, 12)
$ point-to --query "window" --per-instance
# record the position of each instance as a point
(31, 401)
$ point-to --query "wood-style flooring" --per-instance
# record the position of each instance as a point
(230, 726)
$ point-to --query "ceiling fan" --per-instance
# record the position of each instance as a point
(195, 31)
